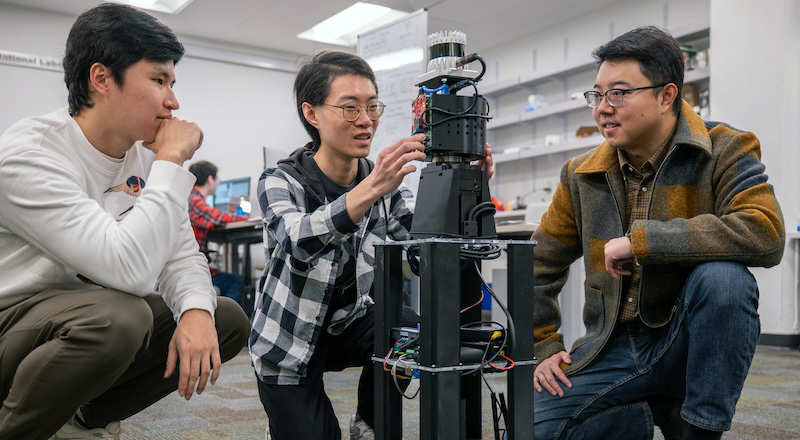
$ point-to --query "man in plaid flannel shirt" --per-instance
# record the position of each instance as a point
(324, 207)
(205, 217)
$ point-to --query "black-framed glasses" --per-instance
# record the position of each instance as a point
(614, 97)
(351, 112)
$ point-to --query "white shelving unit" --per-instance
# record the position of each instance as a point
(531, 79)
(697, 75)
(515, 153)
(527, 82)
(533, 151)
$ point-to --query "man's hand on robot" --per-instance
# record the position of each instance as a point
(487, 164)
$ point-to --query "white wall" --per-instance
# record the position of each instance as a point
(240, 108)
(577, 38)
(25, 91)
(755, 83)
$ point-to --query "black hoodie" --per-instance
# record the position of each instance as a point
(300, 165)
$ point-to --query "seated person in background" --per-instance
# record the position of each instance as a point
(668, 213)
(92, 222)
(324, 207)
(204, 217)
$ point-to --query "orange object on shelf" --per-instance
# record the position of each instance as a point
(498, 204)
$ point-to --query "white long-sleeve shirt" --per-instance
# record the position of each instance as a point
(69, 215)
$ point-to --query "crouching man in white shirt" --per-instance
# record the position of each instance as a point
(93, 223)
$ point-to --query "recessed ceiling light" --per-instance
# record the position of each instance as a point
(166, 6)
(343, 28)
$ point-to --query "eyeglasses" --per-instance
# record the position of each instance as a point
(351, 112)
(614, 97)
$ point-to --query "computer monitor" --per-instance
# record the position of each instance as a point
(226, 189)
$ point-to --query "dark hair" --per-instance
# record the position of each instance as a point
(202, 171)
(116, 36)
(313, 81)
(658, 53)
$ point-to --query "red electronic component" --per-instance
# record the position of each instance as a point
(418, 107)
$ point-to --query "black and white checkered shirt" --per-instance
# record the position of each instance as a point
(303, 250)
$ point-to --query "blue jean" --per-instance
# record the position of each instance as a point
(701, 357)
(229, 284)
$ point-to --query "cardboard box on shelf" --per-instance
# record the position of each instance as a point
(689, 94)
(586, 131)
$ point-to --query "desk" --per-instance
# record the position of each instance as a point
(230, 237)
(515, 231)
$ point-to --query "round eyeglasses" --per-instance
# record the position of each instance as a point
(614, 97)
(351, 112)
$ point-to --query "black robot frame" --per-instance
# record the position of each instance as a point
(452, 230)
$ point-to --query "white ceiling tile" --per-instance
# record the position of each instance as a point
(274, 24)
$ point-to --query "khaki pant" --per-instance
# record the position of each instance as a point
(100, 350)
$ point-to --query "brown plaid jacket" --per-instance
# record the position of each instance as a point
(711, 201)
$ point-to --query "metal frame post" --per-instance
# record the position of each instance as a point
(520, 306)
(440, 297)
(388, 314)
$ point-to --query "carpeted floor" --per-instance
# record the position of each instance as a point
(769, 408)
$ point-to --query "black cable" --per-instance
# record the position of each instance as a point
(412, 256)
(483, 68)
(495, 406)
(396, 383)
(495, 419)
(453, 115)
(481, 252)
(456, 115)
(447, 235)
(404, 345)
(463, 61)
(484, 362)
(489, 252)
(472, 212)
(459, 116)
(401, 358)
(474, 256)
(484, 210)
(511, 331)
(470, 58)
(503, 406)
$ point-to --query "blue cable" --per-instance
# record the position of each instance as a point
(443, 89)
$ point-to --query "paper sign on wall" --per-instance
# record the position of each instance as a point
(32, 61)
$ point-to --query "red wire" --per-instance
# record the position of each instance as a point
(504, 368)
(387, 358)
(479, 301)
